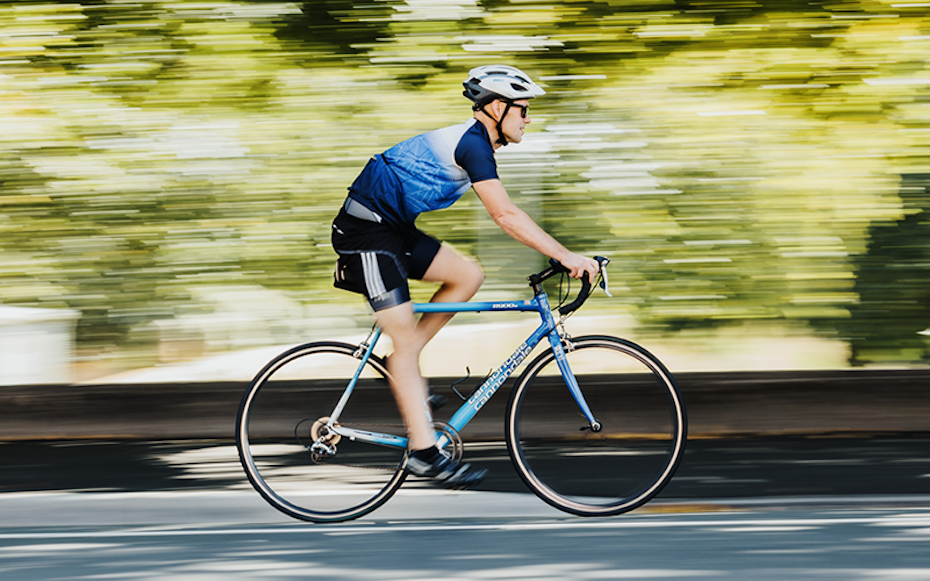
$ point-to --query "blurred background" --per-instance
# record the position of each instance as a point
(757, 171)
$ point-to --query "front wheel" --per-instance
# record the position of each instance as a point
(641, 437)
(298, 464)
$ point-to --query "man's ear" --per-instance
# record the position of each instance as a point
(496, 107)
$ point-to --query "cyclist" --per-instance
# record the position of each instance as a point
(380, 248)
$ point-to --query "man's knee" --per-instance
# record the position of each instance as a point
(455, 271)
(474, 276)
(467, 279)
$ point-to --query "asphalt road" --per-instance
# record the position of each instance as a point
(759, 509)
(759, 545)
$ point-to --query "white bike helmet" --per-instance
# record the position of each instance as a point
(490, 82)
(484, 84)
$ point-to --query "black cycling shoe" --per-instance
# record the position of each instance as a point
(438, 465)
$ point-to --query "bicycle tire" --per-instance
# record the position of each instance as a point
(622, 466)
(273, 432)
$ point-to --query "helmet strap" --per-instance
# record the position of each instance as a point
(501, 139)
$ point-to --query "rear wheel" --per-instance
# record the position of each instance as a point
(291, 456)
(641, 437)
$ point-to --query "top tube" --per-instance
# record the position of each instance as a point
(478, 306)
(539, 303)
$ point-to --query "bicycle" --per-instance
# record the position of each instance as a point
(602, 442)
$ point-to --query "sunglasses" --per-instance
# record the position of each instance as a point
(523, 109)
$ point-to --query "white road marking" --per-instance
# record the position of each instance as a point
(720, 525)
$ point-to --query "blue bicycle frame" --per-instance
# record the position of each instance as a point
(548, 328)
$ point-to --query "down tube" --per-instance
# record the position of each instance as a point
(493, 383)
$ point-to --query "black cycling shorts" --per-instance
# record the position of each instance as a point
(376, 260)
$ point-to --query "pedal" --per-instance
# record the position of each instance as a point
(436, 400)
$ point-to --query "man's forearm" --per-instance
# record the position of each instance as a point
(522, 228)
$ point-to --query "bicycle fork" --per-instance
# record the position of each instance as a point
(558, 341)
(555, 341)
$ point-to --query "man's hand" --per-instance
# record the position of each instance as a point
(577, 265)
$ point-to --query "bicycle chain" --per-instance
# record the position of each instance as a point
(324, 459)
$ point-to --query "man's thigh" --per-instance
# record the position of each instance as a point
(398, 322)
(451, 267)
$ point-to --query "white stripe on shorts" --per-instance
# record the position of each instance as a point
(373, 280)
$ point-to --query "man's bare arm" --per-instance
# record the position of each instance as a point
(522, 228)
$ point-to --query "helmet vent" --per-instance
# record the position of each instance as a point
(517, 87)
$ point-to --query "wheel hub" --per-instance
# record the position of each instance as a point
(322, 433)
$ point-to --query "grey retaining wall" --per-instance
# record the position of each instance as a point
(766, 403)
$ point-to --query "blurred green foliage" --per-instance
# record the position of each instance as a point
(737, 160)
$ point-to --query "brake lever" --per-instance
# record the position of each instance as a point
(604, 283)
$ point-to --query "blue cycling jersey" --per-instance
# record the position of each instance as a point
(427, 172)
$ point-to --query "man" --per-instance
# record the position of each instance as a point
(380, 248)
